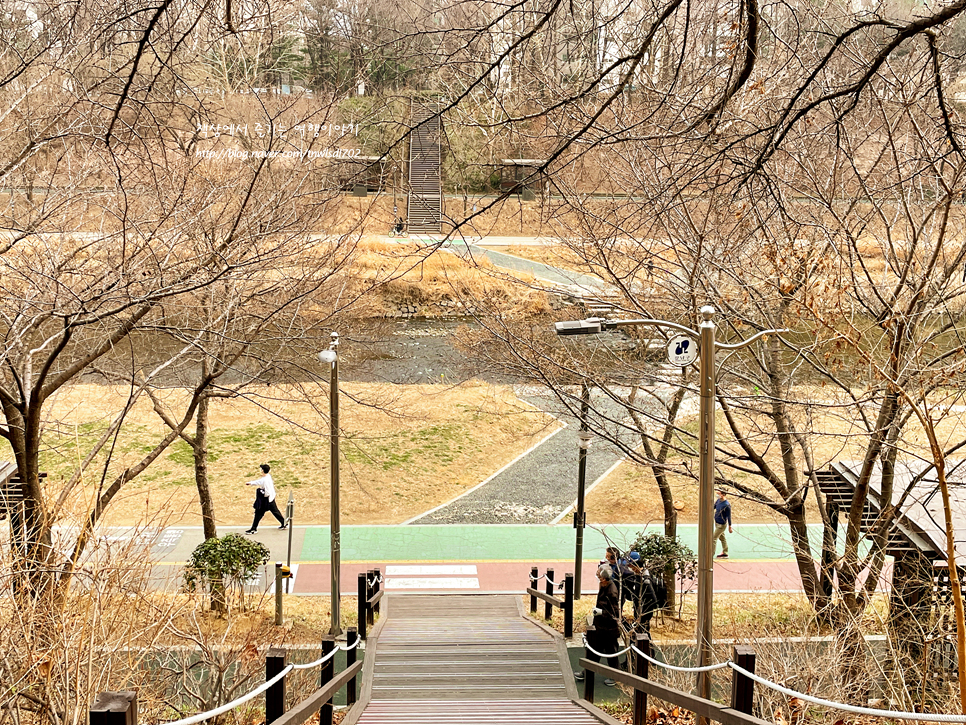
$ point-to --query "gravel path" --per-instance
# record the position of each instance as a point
(538, 487)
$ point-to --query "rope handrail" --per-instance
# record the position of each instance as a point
(551, 582)
(320, 661)
(922, 717)
(875, 712)
(601, 654)
(376, 580)
(202, 716)
(676, 668)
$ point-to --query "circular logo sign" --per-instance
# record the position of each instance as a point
(682, 351)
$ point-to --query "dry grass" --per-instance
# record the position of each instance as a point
(630, 494)
(405, 449)
(408, 276)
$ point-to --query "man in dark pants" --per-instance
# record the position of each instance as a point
(722, 519)
(603, 637)
(265, 499)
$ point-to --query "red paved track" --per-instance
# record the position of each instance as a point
(513, 576)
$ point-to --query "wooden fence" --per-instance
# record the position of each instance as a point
(369, 593)
(742, 688)
(550, 601)
(121, 708)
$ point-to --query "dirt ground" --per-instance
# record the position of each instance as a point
(405, 449)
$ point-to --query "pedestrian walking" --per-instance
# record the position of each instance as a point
(606, 623)
(722, 519)
(265, 499)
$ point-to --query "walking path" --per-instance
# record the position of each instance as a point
(540, 485)
(481, 558)
(456, 659)
(575, 283)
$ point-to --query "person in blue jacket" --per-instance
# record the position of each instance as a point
(722, 519)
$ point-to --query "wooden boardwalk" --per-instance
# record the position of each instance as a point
(446, 659)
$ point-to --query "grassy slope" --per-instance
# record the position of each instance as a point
(426, 445)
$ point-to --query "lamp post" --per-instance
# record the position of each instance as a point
(706, 350)
(580, 517)
(331, 357)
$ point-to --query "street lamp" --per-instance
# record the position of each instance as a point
(580, 516)
(331, 357)
(681, 351)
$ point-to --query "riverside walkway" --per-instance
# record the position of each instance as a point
(465, 659)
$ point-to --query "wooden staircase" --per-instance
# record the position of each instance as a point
(425, 208)
(465, 659)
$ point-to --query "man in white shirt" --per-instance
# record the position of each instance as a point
(265, 499)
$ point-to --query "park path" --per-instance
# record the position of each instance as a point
(458, 659)
(574, 283)
(539, 486)
(484, 558)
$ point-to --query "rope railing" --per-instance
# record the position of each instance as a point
(893, 714)
(601, 654)
(551, 582)
(201, 717)
(565, 603)
(676, 668)
(788, 692)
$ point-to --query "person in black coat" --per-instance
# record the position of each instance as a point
(606, 624)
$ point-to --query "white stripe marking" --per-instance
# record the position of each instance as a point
(427, 583)
(431, 569)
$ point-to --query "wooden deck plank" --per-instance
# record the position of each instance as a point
(442, 659)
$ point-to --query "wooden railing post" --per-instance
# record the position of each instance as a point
(548, 607)
(641, 666)
(377, 587)
(327, 673)
(533, 585)
(568, 607)
(351, 637)
(370, 619)
(114, 708)
(274, 695)
(588, 674)
(742, 686)
(363, 605)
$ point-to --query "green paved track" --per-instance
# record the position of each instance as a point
(525, 543)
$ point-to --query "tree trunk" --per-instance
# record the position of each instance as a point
(200, 450)
(219, 599)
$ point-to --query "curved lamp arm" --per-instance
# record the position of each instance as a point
(612, 324)
(746, 343)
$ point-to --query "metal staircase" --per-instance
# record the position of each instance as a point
(425, 208)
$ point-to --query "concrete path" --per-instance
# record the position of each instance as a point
(573, 282)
